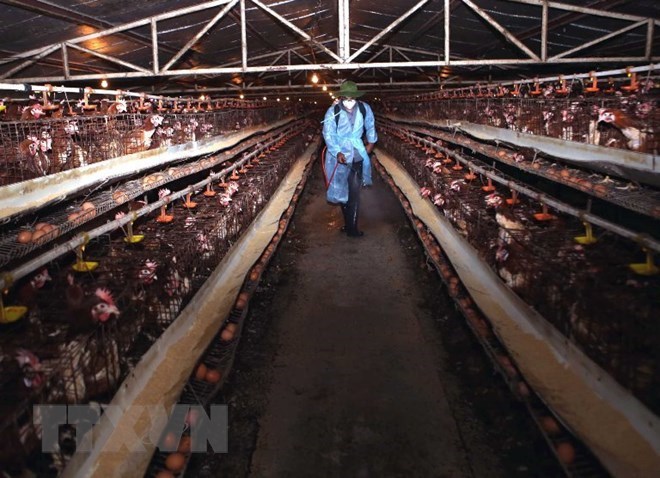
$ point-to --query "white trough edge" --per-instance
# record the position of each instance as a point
(161, 374)
(636, 166)
(28, 195)
(618, 428)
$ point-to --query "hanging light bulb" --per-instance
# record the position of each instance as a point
(241, 96)
(325, 88)
(104, 83)
(315, 78)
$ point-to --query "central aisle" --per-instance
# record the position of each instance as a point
(356, 391)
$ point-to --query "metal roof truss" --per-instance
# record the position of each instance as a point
(347, 52)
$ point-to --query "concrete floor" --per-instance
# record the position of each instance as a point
(354, 363)
(354, 376)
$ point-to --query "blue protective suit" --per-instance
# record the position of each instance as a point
(341, 137)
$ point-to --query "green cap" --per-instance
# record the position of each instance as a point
(350, 90)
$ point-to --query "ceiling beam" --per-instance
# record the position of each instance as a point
(387, 30)
(52, 10)
(433, 21)
(121, 28)
(109, 58)
(599, 12)
(347, 66)
(558, 22)
(600, 39)
(297, 30)
(200, 34)
(507, 34)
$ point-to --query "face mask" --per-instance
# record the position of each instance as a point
(348, 104)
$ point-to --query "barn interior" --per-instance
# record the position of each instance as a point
(179, 297)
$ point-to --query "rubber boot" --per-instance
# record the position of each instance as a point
(353, 205)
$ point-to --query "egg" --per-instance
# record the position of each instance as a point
(168, 442)
(175, 462)
(73, 216)
(24, 237)
(192, 417)
(213, 376)
(120, 196)
(565, 453)
(40, 225)
(242, 300)
(38, 235)
(164, 474)
(550, 426)
(600, 189)
(51, 231)
(523, 389)
(184, 444)
(87, 210)
(200, 373)
(228, 332)
(254, 275)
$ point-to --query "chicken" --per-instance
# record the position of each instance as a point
(140, 139)
(28, 292)
(511, 251)
(118, 107)
(67, 154)
(190, 129)
(636, 138)
(88, 312)
(147, 273)
(20, 432)
(32, 112)
(30, 366)
(32, 154)
(9, 111)
(101, 367)
(177, 289)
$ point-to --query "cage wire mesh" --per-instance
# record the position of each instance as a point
(31, 149)
(588, 292)
(85, 333)
(570, 119)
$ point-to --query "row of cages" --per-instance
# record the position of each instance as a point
(86, 331)
(587, 292)
(32, 149)
(630, 122)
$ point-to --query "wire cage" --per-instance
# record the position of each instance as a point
(589, 294)
(31, 149)
(67, 351)
(600, 121)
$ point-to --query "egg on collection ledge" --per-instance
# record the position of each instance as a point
(41, 231)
